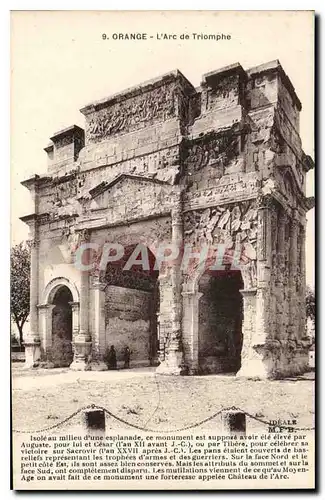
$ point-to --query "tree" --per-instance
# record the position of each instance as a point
(19, 285)
(310, 304)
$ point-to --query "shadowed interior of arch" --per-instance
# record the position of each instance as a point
(131, 306)
(220, 322)
(61, 349)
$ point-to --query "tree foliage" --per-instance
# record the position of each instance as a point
(19, 285)
(310, 304)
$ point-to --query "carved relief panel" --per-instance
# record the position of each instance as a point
(232, 228)
(216, 150)
(224, 94)
(131, 114)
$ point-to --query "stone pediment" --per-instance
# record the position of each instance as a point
(120, 179)
(129, 191)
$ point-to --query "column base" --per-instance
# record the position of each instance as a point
(255, 366)
(81, 356)
(253, 369)
(154, 361)
(172, 365)
(193, 370)
(32, 354)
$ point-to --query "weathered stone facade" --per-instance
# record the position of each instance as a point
(219, 165)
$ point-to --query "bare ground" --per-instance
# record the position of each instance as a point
(43, 397)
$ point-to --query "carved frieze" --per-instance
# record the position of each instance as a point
(222, 224)
(224, 94)
(234, 226)
(214, 150)
(131, 114)
(61, 200)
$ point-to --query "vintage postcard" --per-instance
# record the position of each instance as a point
(162, 250)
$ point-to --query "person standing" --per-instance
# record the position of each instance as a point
(126, 356)
(110, 358)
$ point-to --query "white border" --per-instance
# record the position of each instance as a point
(5, 7)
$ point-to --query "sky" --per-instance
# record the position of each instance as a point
(60, 63)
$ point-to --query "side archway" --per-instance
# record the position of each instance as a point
(213, 320)
(59, 320)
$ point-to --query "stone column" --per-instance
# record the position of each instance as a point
(191, 298)
(204, 97)
(248, 331)
(254, 363)
(280, 274)
(75, 308)
(303, 342)
(165, 298)
(302, 288)
(264, 256)
(158, 357)
(82, 341)
(293, 270)
(173, 363)
(98, 333)
(45, 325)
(32, 341)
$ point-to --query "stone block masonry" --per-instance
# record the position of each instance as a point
(164, 162)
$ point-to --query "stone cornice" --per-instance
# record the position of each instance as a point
(28, 219)
(31, 182)
(69, 131)
(307, 163)
(49, 148)
(236, 129)
(275, 67)
(309, 203)
(213, 77)
(104, 186)
(35, 181)
(45, 217)
(137, 90)
(102, 222)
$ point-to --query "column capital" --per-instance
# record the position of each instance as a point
(84, 235)
(74, 305)
(295, 220)
(34, 242)
(189, 288)
(48, 307)
(192, 293)
(248, 292)
(98, 284)
(265, 202)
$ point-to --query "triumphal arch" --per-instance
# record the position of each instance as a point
(206, 187)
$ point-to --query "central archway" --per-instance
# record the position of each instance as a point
(131, 306)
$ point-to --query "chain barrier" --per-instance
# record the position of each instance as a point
(145, 429)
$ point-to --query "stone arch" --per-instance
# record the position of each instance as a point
(191, 303)
(131, 303)
(220, 312)
(248, 273)
(53, 286)
(61, 353)
(48, 305)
